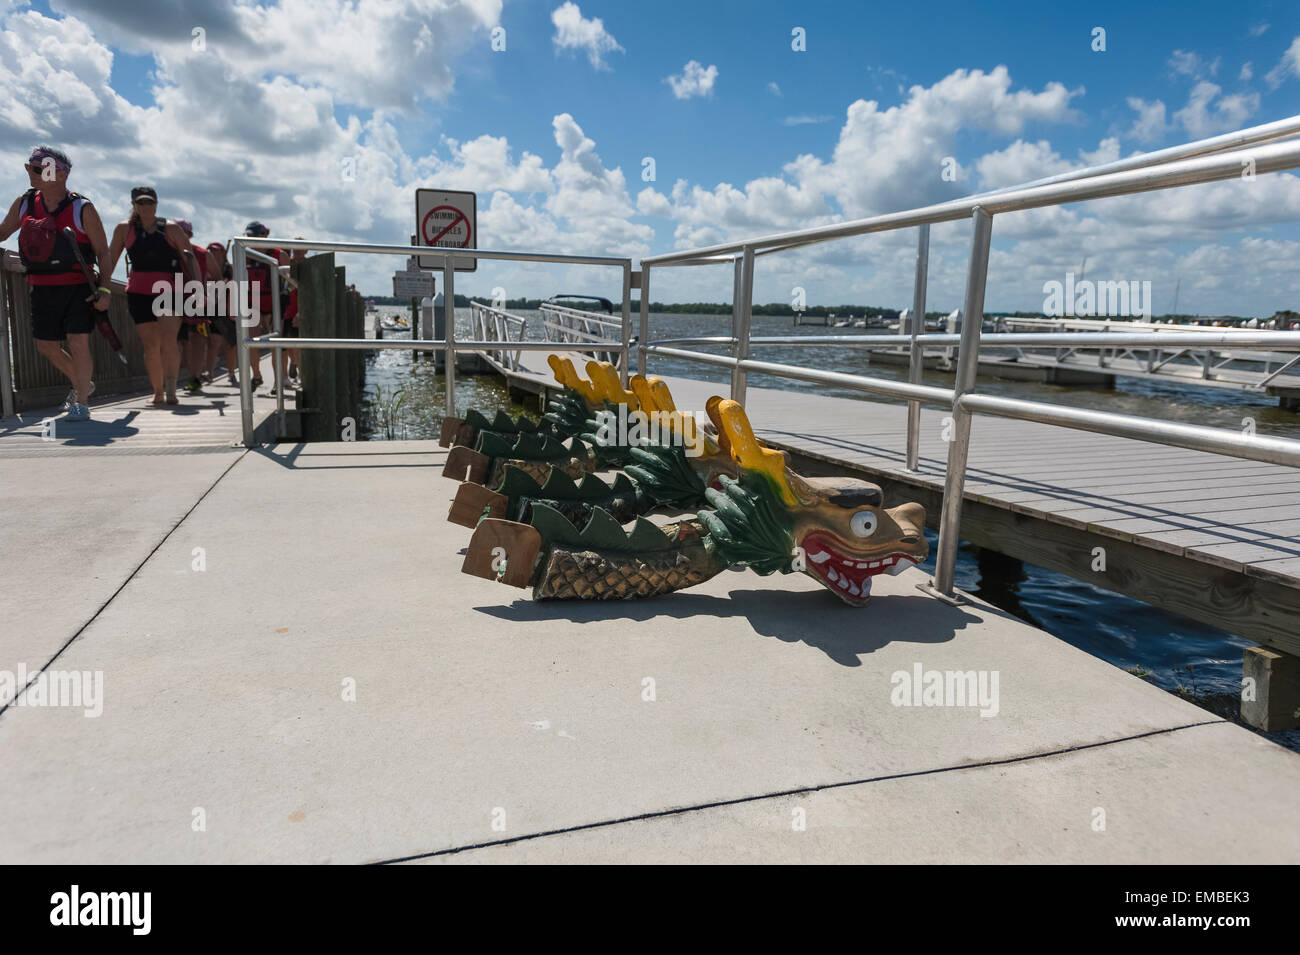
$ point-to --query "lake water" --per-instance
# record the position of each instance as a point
(1121, 631)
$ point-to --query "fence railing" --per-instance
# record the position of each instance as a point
(1214, 160)
(28, 380)
(574, 326)
(242, 246)
(494, 325)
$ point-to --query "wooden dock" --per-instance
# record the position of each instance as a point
(208, 421)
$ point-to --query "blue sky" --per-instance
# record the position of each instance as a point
(552, 131)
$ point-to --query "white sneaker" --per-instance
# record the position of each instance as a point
(78, 412)
(71, 399)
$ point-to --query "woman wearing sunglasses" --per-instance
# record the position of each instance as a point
(62, 303)
(159, 255)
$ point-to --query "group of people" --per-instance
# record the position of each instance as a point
(69, 261)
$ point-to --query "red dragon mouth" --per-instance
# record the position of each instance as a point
(849, 578)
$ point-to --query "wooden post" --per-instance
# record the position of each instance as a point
(339, 375)
(1270, 692)
(415, 326)
(316, 308)
(358, 364)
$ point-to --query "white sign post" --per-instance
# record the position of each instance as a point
(412, 284)
(446, 220)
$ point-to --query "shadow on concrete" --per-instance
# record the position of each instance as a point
(815, 618)
(287, 456)
(95, 433)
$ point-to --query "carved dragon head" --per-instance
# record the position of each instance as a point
(836, 530)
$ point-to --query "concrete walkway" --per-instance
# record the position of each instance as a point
(489, 728)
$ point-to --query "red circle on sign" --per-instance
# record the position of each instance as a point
(456, 220)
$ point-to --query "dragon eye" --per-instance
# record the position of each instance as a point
(863, 523)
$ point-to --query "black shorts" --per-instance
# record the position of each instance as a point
(140, 305)
(187, 329)
(61, 310)
(289, 331)
(225, 327)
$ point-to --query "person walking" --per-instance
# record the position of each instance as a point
(196, 330)
(62, 303)
(223, 342)
(260, 272)
(159, 256)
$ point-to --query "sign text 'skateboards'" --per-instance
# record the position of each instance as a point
(446, 220)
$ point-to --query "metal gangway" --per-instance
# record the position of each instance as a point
(1257, 370)
(491, 324)
(580, 330)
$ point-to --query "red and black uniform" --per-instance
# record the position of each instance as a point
(222, 323)
(290, 323)
(261, 272)
(201, 263)
(155, 263)
(59, 293)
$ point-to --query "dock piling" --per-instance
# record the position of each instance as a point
(1270, 698)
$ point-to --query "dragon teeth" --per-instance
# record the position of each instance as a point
(819, 558)
(835, 578)
(853, 589)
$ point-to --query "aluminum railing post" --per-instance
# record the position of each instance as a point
(449, 327)
(737, 282)
(624, 369)
(740, 350)
(967, 367)
(915, 364)
(643, 332)
(276, 361)
(6, 378)
(242, 295)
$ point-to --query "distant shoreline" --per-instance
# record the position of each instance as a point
(783, 310)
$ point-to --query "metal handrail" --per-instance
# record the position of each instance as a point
(578, 313)
(1211, 160)
(491, 332)
(564, 320)
(879, 386)
(247, 245)
(1237, 339)
(1237, 444)
(1274, 157)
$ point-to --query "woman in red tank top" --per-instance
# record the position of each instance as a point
(159, 256)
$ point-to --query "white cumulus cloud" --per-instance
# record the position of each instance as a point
(573, 31)
(694, 80)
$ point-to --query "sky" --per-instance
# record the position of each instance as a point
(632, 129)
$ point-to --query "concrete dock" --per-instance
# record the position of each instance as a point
(324, 685)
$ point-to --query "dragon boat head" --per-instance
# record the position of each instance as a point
(847, 537)
(836, 529)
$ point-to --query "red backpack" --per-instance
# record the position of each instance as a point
(43, 247)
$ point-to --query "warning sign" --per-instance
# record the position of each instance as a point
(446, 220)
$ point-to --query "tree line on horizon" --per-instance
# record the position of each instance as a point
(783, 309)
